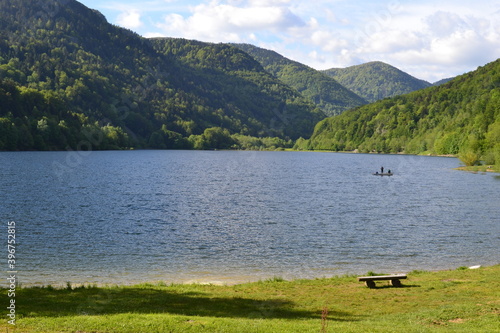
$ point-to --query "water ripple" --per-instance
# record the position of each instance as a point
(134, 216)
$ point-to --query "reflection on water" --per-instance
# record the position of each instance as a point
(132, 216)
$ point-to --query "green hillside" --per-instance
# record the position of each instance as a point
(227, 74)
(442, 81)
(127, 90)
(328, 94)
(376, 80)
(459, 117)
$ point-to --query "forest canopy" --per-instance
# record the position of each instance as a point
(70, 70)
(459, 117)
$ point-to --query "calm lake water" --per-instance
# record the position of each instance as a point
(179, 216)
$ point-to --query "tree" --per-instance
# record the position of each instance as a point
(8, 135)
(156, 140)
(216, 138)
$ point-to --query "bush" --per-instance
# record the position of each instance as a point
(469, 157)
(489, 157)
(496, 153)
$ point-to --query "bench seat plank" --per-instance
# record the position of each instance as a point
(382, 277)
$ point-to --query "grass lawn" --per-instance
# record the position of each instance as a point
(460, 300)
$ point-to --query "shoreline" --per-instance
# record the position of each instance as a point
(229, 281)
(458, 300)
(479, 168)
(475, 169)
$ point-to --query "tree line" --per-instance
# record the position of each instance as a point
(141, 92)
(461, 117)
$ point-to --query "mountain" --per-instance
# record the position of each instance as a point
(458, 117)
(376, 80)
(67, 74)
(328, 94)
(442, 81)
(240, 82)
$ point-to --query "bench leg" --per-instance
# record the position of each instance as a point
(396, 283)
(370, 284)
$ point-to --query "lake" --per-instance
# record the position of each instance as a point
(235, 216)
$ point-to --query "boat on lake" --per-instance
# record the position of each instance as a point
(383, 174)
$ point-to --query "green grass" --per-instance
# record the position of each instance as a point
(460, 300)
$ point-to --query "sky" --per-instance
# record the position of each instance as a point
(429, 39)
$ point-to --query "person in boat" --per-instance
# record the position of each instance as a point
(381, 169)
(389, 172)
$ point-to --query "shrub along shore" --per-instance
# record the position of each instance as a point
(461, 300)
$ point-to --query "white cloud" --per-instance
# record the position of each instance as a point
(154, 34)
(130, 18)
(230, 23)
(466, 47)
(437, 42)
(267, 3)
(327, 41)
(426, 38)
(444, 23)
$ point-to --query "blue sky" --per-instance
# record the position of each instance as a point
(430, 40)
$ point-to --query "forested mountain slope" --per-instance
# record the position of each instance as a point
(461, 116)
(69, 72)
(328, 94)
(376, 80)
(442, 81)
(246, 88)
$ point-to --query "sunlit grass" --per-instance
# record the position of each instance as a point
(460, 300)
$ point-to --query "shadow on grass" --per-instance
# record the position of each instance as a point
(403, 286)
(44, 302)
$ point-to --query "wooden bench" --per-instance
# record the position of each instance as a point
(394, 279)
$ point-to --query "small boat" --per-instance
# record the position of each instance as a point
(383, 174)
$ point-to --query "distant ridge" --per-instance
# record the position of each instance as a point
(376, 80)
(443, 81)
(333, 98)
